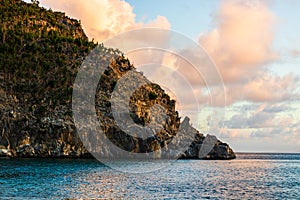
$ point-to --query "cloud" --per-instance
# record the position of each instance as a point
(266, 126)
(241, 45)
(295, 53)
(266, 88)
(234, 133)
(259, 120)
(263, 116)
(242, 40)
(260, 140)
(102, 19)
(263, 88)
(276, 108)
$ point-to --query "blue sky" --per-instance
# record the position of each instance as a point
(255, 45)
(188, 17)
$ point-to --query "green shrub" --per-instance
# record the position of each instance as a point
(152, 95)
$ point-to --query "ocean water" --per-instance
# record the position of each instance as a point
(250, 176)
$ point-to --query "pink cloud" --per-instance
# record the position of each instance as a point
(269, 88)
(242, 40)
(295, 53)
(102, 19)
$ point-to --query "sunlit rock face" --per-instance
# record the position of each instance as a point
(41, 58)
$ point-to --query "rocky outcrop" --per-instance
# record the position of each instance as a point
(40, 60)
(205, 147)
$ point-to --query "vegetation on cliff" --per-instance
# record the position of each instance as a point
(40, 54)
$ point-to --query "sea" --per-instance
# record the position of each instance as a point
(250, 176)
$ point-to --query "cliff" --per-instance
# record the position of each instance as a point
(41, 52)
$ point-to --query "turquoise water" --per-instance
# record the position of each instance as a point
(250, 176)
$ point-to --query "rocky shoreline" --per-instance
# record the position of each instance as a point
(42, 52)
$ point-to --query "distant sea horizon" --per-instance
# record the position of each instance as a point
(249, 176)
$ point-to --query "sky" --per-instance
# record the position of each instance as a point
(253, 44)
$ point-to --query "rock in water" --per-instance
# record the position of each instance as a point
(221, 151)
(208, 144)
(202, 147)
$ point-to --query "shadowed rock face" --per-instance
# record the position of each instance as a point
(40, 60)
(208, 147)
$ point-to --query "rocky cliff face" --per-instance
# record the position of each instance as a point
(41, 52)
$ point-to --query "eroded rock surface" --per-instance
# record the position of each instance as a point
(40, 58)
